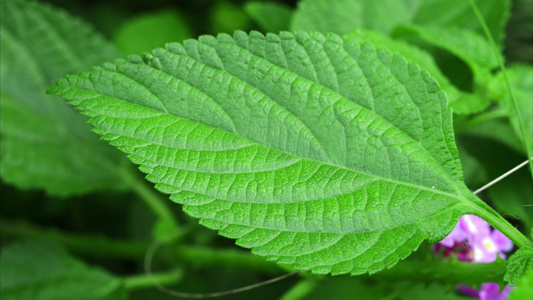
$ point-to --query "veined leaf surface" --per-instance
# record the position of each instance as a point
(317, 152)
(45, 143)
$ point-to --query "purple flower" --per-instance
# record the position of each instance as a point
(486, 248)
(482, 243)
(488, 291)
(473, 240)
(491, 291)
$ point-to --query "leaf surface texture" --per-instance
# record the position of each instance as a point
(317, 152)
(45, 143)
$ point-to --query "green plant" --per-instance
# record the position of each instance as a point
(336, 147)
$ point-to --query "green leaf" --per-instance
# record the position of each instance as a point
(346, 287)
(344, 16)
(42, 270)
(317, 152)
(45, 143)
(412, 53)
(270, 16)
(524, 288)
(226, 16)
(151, 30)
(467, 103)
(458, 13)
(461, 102)
(406, 290)
(520, 107)
(469, 46)
(518, 265)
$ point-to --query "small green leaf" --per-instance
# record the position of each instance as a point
(471, 47)
(45, 143)
(458, 13)
(346, 287)
(518, 265)
(418, 291)
(226, 16)
(467, 103)
(270, 16)
(520, 107)
(344, 16)
(317, 152)
(41, 270)
(151, 30)
(524, 288)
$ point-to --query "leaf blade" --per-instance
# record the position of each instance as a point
(295, 177)
(46, 144)
(42, 270)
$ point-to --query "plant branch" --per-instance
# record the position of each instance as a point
(486, 186)
(142, 281)
(499, 58)
(301, 289)
(148, 195)
(445, 271)
(99, 246)
(479, 119)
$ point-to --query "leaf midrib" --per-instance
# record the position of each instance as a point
(93, 114)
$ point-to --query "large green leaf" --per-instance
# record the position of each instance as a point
(45, 143)
(317, 152)
(344, 16)
(38, 270)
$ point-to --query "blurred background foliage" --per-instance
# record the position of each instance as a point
(139, 26)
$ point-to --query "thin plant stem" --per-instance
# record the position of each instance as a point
(103, 247)
(141, 281)
(448, 272)
(147, 194)
(301, 289)
(481, 118)
(148, 269)
(499, 58)
(486, 186)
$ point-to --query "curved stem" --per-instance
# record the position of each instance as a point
(499, 58)
(495, 220)
(99, 246)
(445, 272)
(301, 289)
(147, 194)
(480, 118)
(142, 281)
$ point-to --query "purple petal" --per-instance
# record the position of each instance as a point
(467, 291)
(491, 291)
(475, 227)
(505, 293)
(456, 236)
(481, 255)
(503, 242)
